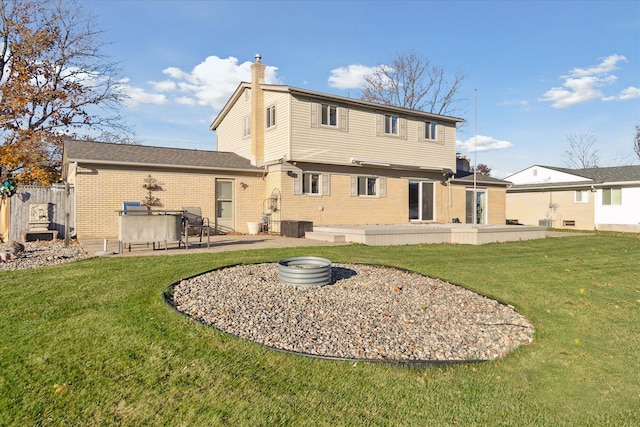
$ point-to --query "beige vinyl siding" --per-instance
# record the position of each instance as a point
(229, 134)
(276, 138)
(322, 144)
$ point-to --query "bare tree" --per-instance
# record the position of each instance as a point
(412, 81)
(636, 142)
(581, 152)
(55, 83)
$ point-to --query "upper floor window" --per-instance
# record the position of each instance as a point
(246, 126)
(329, 115)
(611, 196)
(271, 116)
(581, 196)
(311, 183)
(430, 130)
(390, 124)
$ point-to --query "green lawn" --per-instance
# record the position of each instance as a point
(93, 343)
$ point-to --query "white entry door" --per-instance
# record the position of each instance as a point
(224, 205)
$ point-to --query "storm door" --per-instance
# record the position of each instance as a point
(421, 201)
(224, 205)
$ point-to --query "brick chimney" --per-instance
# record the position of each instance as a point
(257, 111)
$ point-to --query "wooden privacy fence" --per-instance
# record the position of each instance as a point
(54, 196)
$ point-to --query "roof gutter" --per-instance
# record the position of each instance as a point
(576, 186)
(549, 188)
(377, 163)
(160, 165)
(617, 184)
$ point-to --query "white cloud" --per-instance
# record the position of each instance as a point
(627, 94)
(139, 96)
(349, 77)
(521, 103)
(607, 65)
(582, 84)
(485, 143)
(164, 86)
(136, 96)
(210, 83)
(213, 81)
(185, 100)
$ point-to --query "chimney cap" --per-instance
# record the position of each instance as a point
(258, 57)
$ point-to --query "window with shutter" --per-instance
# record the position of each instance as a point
(326, 184)
(367, 185)
(391, 125)
(310, 183)
(430, 130)
(344, 119)
(329, 115)
(297, 183)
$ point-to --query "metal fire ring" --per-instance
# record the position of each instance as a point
(305, 270)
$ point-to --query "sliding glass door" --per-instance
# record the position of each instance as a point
(481, 206)
(421, 201)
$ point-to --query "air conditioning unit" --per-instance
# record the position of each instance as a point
(545, 223)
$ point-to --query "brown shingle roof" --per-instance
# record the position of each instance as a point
(607, 174)
(467, 176)
(126, 154)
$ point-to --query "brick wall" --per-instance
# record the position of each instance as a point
(100, 193)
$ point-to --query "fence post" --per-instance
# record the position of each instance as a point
(66, 213)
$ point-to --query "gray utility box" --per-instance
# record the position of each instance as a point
(295, 228)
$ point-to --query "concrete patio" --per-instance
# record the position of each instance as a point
(373, 235)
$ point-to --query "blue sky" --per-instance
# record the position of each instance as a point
(542, 70)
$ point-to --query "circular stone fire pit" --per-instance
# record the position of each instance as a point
(305, 270)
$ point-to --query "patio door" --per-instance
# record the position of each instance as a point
(481, 207)
(421, 201)
(224, 206)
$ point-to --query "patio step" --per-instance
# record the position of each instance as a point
(325, 236)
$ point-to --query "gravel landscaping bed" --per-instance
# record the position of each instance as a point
(40, 254)
(366, 313)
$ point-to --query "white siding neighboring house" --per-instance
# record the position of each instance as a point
(595, 198)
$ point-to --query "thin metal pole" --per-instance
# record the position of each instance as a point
(475, 167)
